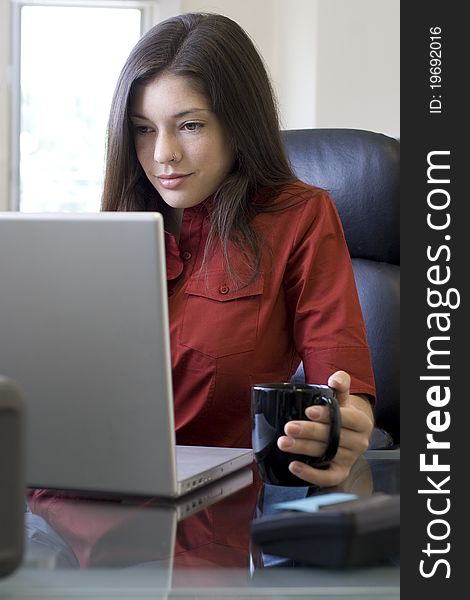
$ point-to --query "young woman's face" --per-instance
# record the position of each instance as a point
(179, 141)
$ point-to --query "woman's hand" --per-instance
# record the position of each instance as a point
(310, 437)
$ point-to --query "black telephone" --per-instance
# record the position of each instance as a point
(353, 533)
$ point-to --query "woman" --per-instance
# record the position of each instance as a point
(259, 275)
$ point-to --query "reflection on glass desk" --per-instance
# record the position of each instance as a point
(199, 547)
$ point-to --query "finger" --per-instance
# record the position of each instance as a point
(351, 418)
(314, 449)
(299, 434)
(341, 382)
(318, 432)
(351, 445)
(321, 414)
(355, 419)
(307, 429)
(332, 476)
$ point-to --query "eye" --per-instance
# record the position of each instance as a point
(192, 126)
(142, 129)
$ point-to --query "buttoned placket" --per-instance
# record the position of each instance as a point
(192, 238)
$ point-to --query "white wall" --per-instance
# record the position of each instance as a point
(358, 54)
(294, 64)
(334, 63)
(282, 32)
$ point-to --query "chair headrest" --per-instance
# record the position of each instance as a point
(360, 170)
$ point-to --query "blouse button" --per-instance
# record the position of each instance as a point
(223, 289)
(187, 255)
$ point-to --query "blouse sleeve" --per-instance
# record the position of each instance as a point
(321, 292)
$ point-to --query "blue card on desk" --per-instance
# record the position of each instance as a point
(313, 503)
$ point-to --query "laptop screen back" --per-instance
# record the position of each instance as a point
(84, 333)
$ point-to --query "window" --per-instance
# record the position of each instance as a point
(70, 56)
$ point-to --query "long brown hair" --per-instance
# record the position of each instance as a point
(222, 61)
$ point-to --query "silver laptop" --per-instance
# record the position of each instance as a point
(84, 333)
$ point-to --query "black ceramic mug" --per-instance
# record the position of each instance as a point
(272, 406)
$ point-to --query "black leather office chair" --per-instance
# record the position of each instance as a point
(360, 170)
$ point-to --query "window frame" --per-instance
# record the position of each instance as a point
(152, 12)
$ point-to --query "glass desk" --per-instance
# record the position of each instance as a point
(199, 547)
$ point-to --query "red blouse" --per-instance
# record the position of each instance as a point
(226, 336)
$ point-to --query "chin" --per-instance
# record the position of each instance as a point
(181, 203)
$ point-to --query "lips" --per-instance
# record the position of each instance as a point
(172, 180)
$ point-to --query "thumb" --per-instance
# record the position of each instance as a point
(341, 383)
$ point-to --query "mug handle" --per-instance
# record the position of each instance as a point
(323, 461)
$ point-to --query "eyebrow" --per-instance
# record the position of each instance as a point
(182, 113)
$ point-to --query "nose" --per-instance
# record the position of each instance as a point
(166, 148)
